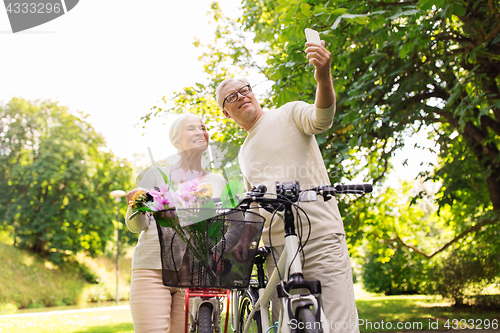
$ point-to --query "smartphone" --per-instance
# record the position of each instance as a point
(312, 36)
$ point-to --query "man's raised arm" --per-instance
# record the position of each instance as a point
(320, 58)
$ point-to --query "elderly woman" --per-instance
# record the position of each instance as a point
(155, 307)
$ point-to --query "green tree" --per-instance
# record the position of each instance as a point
(55, 180)
(398, 67)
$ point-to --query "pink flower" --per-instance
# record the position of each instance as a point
(163, 199)
(186, 198)
(187, 193)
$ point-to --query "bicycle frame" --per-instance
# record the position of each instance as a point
(289, 263)
(265, 294)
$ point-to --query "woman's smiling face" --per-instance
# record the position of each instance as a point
(193, 135)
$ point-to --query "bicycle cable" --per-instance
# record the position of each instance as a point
(297, 228)
(299, 236)
(282, 198)
(271, 243)
(279, 198)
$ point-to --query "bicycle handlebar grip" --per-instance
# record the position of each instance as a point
(354, 188)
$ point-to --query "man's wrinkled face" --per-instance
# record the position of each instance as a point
(245, 109)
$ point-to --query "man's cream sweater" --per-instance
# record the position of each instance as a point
(281, 147)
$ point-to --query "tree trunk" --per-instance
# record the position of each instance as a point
(39, 246)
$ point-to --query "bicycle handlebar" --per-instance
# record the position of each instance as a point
(351, 188)
(291, 192)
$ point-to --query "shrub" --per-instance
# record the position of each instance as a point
(465, 272)
(404, 273)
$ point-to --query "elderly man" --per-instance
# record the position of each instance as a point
(281, 146)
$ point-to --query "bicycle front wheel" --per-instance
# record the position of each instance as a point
(246, 306)
(205, 318)
(307, 321)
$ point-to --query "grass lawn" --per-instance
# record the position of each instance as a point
(96, 320)
(418, 312)
(376, 313)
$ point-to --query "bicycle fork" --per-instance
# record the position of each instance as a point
(289, 303)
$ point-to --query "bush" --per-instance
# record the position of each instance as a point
(81, 269)
(403, 274)
(485, 302)
(465, 272)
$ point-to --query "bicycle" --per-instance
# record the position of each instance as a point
(206, 309)
(305, 308)
(210, 271)
(196, 253)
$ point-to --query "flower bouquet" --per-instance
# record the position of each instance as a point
(196, 237)
(185, 206)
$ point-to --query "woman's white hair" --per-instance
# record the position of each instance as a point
(218, 97)
(175, 127)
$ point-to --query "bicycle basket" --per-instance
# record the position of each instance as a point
(208, 247)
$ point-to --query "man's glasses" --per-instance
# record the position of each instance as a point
(231, 98)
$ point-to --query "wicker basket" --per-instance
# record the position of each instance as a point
(208, 247)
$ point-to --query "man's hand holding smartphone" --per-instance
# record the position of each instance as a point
(320, 58)
(317, 54)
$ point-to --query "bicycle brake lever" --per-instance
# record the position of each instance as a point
(321, 191)
(327, 196)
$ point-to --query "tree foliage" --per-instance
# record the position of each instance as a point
(467, 272)
(55, 179)
(399, 67)
(404, 273)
